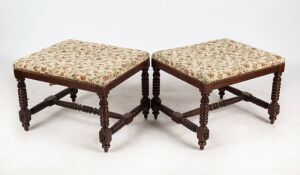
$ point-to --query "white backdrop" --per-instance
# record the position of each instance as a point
(68, 144)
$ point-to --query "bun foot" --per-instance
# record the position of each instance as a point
(105, 148)
(202, 145)
(26, 128)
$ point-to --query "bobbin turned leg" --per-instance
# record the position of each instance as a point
(274, 106)
(73, 94)
(156, 102)
(221, 93)
(105, 133)
(145, 101)
(203, 131)
(24, 113)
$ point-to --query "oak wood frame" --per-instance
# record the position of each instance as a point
(205, 89)
(106, 132)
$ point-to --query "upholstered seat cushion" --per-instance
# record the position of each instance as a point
(86, 62)
(217, 60)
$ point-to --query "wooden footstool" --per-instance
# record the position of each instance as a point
(88, 66)
(215, 65)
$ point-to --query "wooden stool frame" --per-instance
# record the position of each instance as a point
(202, 131)
(106, 132)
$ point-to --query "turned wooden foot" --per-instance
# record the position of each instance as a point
(24, 113)
(221, 93)
(73, 94)
(145, 101)
(274, 107)
(202, 135)
(155, 101)
(202, 130)
(105, 134)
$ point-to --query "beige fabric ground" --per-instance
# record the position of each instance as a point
(217, 60)
(86, 62)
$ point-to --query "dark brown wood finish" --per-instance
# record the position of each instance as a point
(58, 81)
(145, 101)
(126, 119)
(274, 107)
(213, 106)
(155, 101)
(178, 118)
(73, 94)
(224, 103)
(203, 131)
(24, 113)
(246, 96)
(81, 85)
(105, 134)
(221, 93)
(205, 89)
(219, 84)
(87, 109)
(55, 100)
(49, 101)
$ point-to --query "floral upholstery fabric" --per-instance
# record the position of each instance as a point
(217, 60)
(92, 63)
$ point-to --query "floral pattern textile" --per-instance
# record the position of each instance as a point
(217, 60)
(92, 63)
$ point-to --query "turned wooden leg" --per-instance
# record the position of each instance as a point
(73, 94)
(145, 101)
(105, 133)
(24, 113)
(221, 93)
(274, 106)
(203, 131)
(156, 102)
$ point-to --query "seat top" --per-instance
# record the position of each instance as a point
(217, 60)
(86, 62)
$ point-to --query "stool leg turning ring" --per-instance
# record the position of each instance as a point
(274, 106)
(105, 133)
(202, 130)
(156, 102)
(24, 113)
(145, 101)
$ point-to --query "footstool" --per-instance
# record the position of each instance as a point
(87, 66)
(215, 65)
